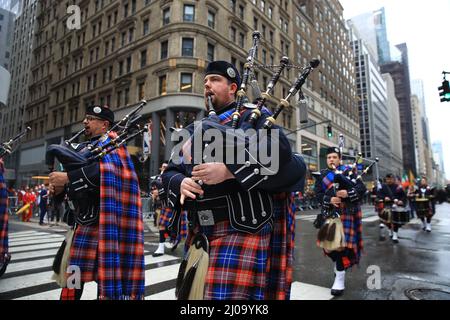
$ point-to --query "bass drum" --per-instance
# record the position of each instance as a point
(423, 208)
(400, 215)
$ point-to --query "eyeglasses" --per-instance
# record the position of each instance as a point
(90, 118)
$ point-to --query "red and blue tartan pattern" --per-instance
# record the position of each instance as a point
(237, 264)
(165, 218)
(352, 223)
(280, 267)
(112, 253)
(4, 246)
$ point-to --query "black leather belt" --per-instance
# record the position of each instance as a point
(209, 211)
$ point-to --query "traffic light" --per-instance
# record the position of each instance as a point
(329, 131)
(444, 91)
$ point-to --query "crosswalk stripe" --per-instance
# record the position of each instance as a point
(35, 247)
(304, 291)
(36, 254)
(30, 265)
(23, 233)
(371, 219)
(49, 236)
(36, 242)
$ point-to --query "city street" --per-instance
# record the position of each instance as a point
(419, 261)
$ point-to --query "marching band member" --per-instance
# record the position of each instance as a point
(344, 202)
(165, 217)
(392, 193)
(4, 247)
(424, 204)
(247, 221)
(108, 241)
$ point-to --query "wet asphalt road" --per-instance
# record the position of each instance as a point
(419, 260)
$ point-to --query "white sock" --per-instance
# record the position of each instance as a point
(160, 248)
(429, 226)
(339, 281)
(395, 236)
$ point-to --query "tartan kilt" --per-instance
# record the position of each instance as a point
(352, 224)
(4, 246)
(237, 263)
(84, 252)
(165, 218)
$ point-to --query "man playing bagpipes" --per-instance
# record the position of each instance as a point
(243, 220)
(424, 199)
(4, 247)
(165, 217)
(340, 224)
(392, 195)
(108, 240)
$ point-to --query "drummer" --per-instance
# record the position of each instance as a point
(392, 194)
(424, 204)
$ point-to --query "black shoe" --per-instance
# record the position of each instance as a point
(175, 246)
(157, 255)
(337, 293)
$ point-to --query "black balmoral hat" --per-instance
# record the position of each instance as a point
(334, 150)
(225, 69)
(104, 112)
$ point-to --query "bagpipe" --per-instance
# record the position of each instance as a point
(193, 269)
(72, 157)
(6, 148)
(345, 177)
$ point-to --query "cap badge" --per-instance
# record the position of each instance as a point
(97, 110)
(231, 72)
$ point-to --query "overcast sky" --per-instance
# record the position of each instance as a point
(419, 24)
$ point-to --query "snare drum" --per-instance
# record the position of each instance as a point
(423, 208)
(400, 215)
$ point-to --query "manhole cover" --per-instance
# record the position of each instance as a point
(427, 294)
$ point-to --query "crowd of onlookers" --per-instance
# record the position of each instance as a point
(27, 202)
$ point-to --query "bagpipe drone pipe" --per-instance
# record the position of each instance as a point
(71, 156)
(6, 148)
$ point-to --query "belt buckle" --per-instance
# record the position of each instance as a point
(205, 218)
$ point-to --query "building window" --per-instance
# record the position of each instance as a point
(163, 85)
(143, 58)
(233, 34)
(188, 13)
(211, 19)
(164, 49)
(166, 16)
(187, 47)
(127, 96)
(128, 64)
(146, 27)
(141, 91)
(211, 49)
(186, 82)
(241, 39)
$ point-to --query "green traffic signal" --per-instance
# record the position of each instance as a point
(329, 131)
(444, 91)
